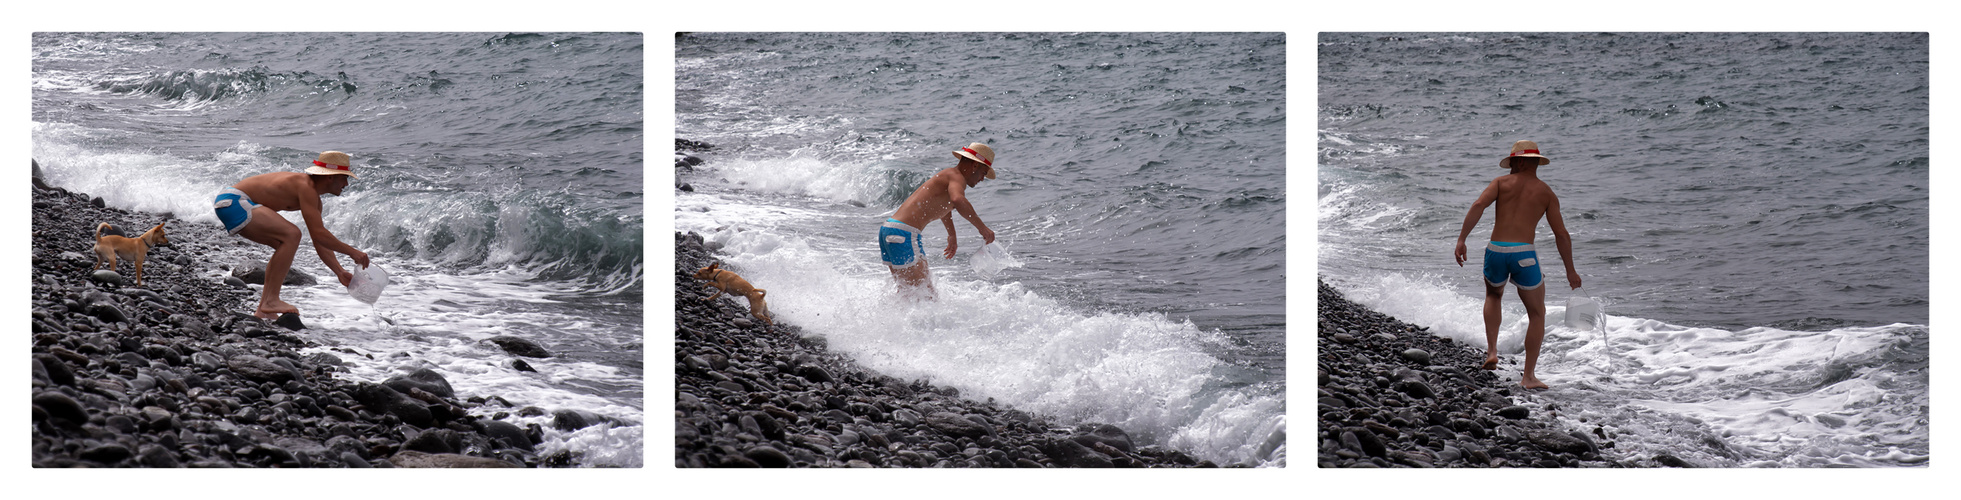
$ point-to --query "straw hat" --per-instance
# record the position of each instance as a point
(1527, 149)
(332, 163)
(980, 153)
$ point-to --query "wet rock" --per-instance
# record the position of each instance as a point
(260, 369)
(107, 277)
(109, 453)
(1418, 356)
(424, 379)
(1108, 435)
(572, 420)
(1514, 412)
(768, 457)
(520, 347)
(1068, 453)
(420, 460)
(289, 321)
(384, 400)
(510, 434)
(157, 456)
(58, 405)
(954, 424)
(57, 370)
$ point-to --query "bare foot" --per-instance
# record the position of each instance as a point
(1490, 361)
(1531, 382)
(271, 309)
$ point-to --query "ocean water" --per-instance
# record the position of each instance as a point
(1141, 185)
(500, 184)
(1753, 208)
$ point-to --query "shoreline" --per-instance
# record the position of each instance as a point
(751, 396)
(177, 373)
(1390, 394)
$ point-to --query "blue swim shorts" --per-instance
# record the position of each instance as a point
(1516, 262)
(898, 244)
(234, 209)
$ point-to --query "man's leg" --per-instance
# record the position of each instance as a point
(1535, 333)
(269, 229)
(914, 278)
(1493, 316)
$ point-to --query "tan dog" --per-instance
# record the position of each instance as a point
(728, 281)
(109, 247)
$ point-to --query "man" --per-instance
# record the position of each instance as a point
(1522, 199)
(250, 209)
(937, 198)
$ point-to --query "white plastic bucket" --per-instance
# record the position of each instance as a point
(991, 260)
(1582, 312)
(368, 283)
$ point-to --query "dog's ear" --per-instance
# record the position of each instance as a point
(714, 266)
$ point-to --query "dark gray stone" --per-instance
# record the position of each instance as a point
(511, 435)
(1107, 434)
(1558, 442)
(768, 457)
(954, 424)
(1420, 356)
(259, 369)
(1068, 453)
(57, 370)
(1514, 412)
(108, 453)
(419, 460)
(572, 420)
(157, 457)
(107, 277)
(289, 321)
(422, 378)
(383, 400)
(520, 347)
(59, 405)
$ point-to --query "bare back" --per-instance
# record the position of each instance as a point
(933, 200)
(280, 191)
(1522, 199)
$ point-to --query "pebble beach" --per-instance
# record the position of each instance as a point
(175, 372)
(749, 394)
(1391, 394)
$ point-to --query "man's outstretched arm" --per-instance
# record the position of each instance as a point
(324, 241)
(1563, 240)
(1485, 199)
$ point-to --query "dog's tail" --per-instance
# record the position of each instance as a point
(99, 228)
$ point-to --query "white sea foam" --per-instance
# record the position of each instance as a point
(1753, 397)
(1152, 376)
(441, 321)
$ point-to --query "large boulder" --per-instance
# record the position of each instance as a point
(381, 399)
(957, 425)
(511, 434)
(520, 347)
(422, 378)
(259, 369)
(1068, 453)
(1106, 434)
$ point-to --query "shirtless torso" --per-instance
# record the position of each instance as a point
(938, 198)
